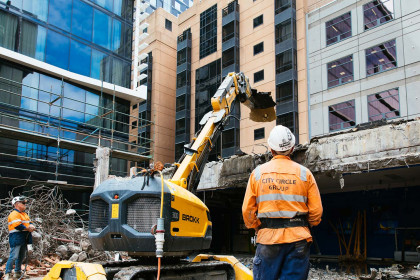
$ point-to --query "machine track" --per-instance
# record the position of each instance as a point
(185, 270)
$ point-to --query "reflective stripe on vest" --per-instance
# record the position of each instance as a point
(280, 214)
(14, 221)
(303, 173)
(280, 196)
(257, 173)
(13, 230)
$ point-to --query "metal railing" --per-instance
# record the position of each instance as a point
(59, 117)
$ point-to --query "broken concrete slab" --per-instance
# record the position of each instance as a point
(387, 146)
(390, 145)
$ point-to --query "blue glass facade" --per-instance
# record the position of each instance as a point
(91, 38)
(52, 122)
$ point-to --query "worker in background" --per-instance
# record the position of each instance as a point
(281, 202)
(20, 228)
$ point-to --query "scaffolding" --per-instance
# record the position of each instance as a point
(54, 135)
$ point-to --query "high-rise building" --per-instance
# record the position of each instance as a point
(65, 73)
(213, 39)
(218, 37)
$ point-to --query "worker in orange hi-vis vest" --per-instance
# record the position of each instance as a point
(281, 202)
(20, 228)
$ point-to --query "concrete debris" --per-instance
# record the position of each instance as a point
(78, 231)
(74, 257)
(82, 257)
(316, 272)
(70, 212)
(62, 251)
(60, 231)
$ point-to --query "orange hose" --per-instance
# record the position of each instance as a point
(158, 276)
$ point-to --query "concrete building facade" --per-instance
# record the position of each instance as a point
(363, 63)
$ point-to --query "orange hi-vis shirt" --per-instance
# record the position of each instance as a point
(281, 188)
(16, 219)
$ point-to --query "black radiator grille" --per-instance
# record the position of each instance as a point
(143, 213)
(99, 215)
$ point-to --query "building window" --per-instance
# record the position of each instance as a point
(377, 12)
(145, 30)
(285, 61)
(338, 29)
(282, 5)
(182, 79)
(228, 31)
(134, 125)
(228, 138)
(258, 76)
(340, 71)
(342, 115)
(168, 24)
(208, 31)
(258, 48)
(284, 31)
(181, 57)
(180, 127)
(285, 92)
(288, 120)
(207, 81)
(259, 133)
(381, 58)
(258, 21)
(180, 103)
(384, 105)
(134, 106)
(228, 57)
(179, 150)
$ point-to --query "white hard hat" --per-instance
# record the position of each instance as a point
(18, 199)
(281, 139)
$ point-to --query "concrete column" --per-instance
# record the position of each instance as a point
(101, 164)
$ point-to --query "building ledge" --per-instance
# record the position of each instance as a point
(119, 91)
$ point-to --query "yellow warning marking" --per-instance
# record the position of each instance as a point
(114, 212)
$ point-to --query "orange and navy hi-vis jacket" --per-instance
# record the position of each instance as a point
(18, 223)
(281, 188)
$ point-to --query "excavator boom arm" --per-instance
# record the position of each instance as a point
(234, 86)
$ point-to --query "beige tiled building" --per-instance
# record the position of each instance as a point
(265, 39)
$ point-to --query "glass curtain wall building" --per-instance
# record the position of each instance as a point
(91, 38)
(51, 120)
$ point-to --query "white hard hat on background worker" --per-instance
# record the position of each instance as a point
(281, 139)
(19, 199)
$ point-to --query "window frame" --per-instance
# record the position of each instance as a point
(330, 66)
(341, 123)
(258, 135)
(329, 24)
(168, 24)
(291, 34)
(378, 24)
(261, 72)
(382, 113)
(380, 66)
(289, 66)
(258, 45)
(256, 20)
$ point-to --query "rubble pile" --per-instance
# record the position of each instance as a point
(345, 272)
(61, 233)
